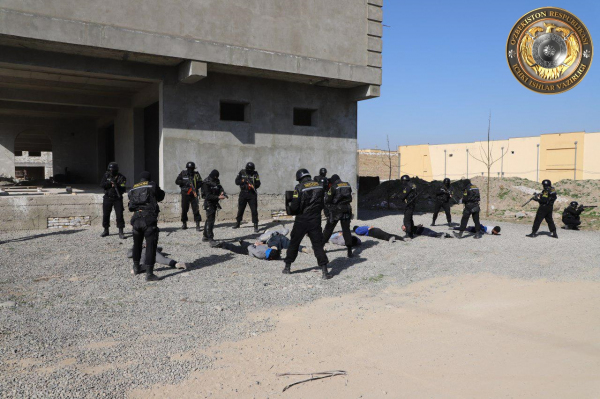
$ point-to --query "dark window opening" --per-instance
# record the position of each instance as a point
(18, 153)
(304, 117)
(35, 153)
(232, 111)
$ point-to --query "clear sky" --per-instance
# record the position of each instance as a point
(444, 69)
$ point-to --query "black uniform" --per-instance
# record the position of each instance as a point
(471, 200)
(442, 200)
(249, 182)
(114, 188)
(325, 182)
(307, 205)
(571, 216)
(338, 201)
(190, 184)
(143, 202)
(409, 194)
(211, 190)
(546, 200)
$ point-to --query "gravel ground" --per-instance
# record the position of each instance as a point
(75, 323)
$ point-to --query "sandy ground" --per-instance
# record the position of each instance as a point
(448, 337)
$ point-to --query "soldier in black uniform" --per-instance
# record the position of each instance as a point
(190, 182)
(212, 192)
(409, 195)
(442, 200)
(546, 200)
(143, 202)
(249, 182)
(338, 201)
(471, 200)
(571, 215)
(113, 184)
(307, 205)
(325, 182)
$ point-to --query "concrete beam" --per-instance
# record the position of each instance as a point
(365, 92)
(59, 110)
(65, 98)
(192, 71)
(146, 97)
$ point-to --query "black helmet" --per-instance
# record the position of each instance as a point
(468, 182)
(190, 165)
(301, 173)
(113, 167)
(546, 183)
(145, 176)
(323, 172)
(405, 178)
(214, 174)
(335, 178)
(250, 166)
(574, 204)
(446, 182)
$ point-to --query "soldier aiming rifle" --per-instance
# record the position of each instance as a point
(571, 215)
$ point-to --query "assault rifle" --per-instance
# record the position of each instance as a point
(192, 190)
(114, 183)
(535, 196)
(589, 206)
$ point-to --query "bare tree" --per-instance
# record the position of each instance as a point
(487, 159)
(388, 163)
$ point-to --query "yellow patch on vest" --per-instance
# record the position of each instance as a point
(142, 183)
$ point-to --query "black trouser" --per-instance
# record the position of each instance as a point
(241, 249)
(543, 213)
(571, 222)
(467, 213)
(144, 227)
(186, 201)
(302, 227)
(382, 235)
(108, 203)
(346, 232)
(251, 199)
(408, 217)
(438, 207)
(211, 216)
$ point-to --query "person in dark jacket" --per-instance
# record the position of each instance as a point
(212, 192)
(409, 195)
(471, 199)
(143, 203)
(442, 200)
(495, 231)
(375, 232)
(307, 205)
(160, 259)
(338, 202)
(190, 182)
(419, 230)
(113, 184)
(546, 200)
(571, 216)
(257, 250)
(249, 181)
(325, 182)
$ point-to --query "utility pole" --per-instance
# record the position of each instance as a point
(502, 163)
(575, 164)
(537, 173)
(444, 164)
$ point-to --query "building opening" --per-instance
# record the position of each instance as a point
(33, 156)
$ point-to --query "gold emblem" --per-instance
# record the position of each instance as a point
(549, 50)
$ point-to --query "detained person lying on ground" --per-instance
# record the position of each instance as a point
(338, 239)
(424, 231)
(376, 233)
(484, 229)
(269, 245)
(160, 258)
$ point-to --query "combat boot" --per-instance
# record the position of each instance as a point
(150, 276)
(136, 268)
(121, 234)
(459, 234)
(477, 236)
(532, 235)
(184, 226)
(256, 228)
(104, 233)
(287, 269)
(237, 225)
(350, 255)
(198, 226)
(433, 223)
(554, 235)
(326, 275)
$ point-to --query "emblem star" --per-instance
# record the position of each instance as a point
(511, 53)
(586, 53)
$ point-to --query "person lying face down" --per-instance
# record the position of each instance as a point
(419, 230)
(257, 250)
(160, 258)
(376, 233)
(338, 239)
(484, 229)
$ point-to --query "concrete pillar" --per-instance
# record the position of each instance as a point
(138, 143)
(124, 143)
(7, 155)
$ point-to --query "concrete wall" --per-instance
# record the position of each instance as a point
(591, 167)
(192, 131)
(415, 161)
(557, 155)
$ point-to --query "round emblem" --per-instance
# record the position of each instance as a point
(549, 50)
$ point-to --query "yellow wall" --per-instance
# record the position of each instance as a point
(521, 158)
(557, 155)
(415, 160)
(591, 157)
